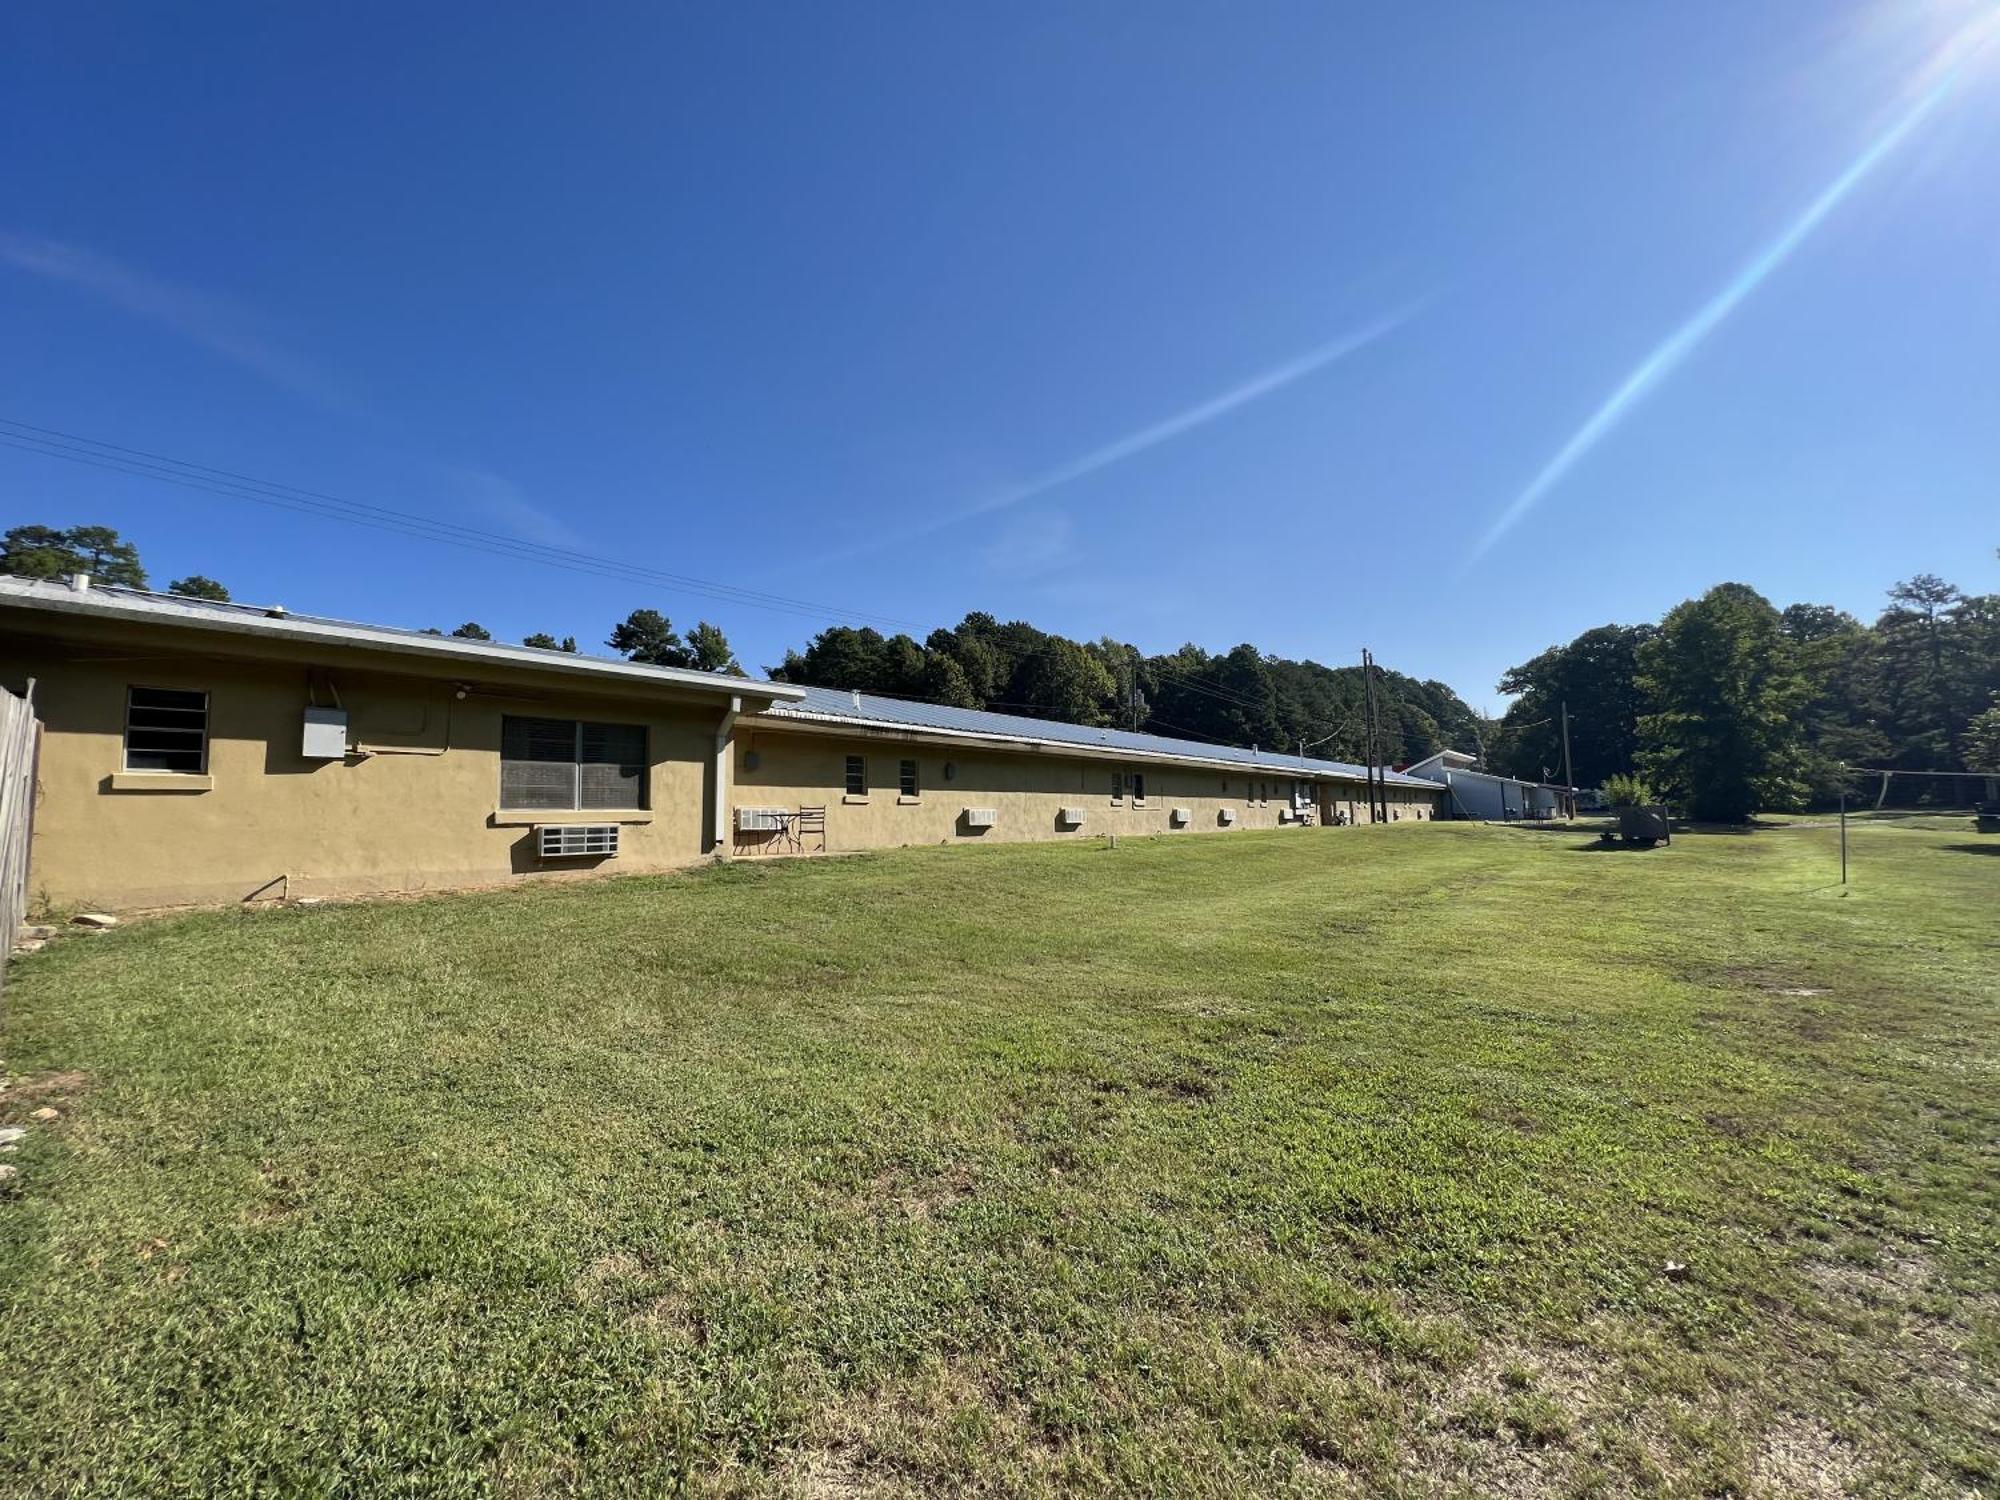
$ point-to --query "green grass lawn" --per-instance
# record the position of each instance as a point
(1315, 1162)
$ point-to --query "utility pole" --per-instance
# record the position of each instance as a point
(1378, 796)
(1843, 833)
(1569, 776)
(1367, 734)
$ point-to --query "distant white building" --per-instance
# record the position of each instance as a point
(1485, 795)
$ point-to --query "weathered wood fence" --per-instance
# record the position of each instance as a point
(18, 742)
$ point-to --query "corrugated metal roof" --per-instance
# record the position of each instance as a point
(833, 706)
(825, 705)
(274, 623)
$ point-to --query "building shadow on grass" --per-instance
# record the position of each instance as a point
(1992, 848)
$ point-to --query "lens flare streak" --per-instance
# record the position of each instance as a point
(1685, 339)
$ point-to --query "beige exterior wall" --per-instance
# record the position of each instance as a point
(1406, 804)
(789, 769)
(420, 812)
(416, 806)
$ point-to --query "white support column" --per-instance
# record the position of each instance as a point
(725, 761)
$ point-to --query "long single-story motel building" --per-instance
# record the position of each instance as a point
(195, 753)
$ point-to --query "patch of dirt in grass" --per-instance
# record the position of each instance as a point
(606, 1275)
(895, 1192)
(1890, 1291)
(937, 1432)
(1798, 1458)
(819, 1474)
(1508, 1422)
(674, 1313)
(286, 1194)
(1771, 981)
(59, 1088)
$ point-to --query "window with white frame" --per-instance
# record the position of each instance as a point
(166, 730)
(571, 765)
(906, 778)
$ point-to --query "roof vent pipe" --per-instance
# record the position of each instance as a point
(80, 582)
(276, 611)
(857, 697)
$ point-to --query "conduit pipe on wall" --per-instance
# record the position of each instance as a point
(459, 690)
(725, 742)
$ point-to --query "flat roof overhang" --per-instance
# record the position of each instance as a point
(878, 729)
(110, 626)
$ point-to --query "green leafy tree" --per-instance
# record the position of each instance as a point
(1629, 791)
(1062, 680)
(46, 552)
(648, 636)
(547, 642)
(472, 630)
(1129, 706)
(945, 682)
(708, 650)
(1597, 676)
(199, 586)
(1982, 742)
(842, 656)
(1722, 738)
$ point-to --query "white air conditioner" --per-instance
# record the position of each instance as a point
(1180, 817)
(759, 819)
(1227, 817)
(1070, 817)
(981, 817)
(577, 840)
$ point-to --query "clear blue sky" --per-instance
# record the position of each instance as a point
(1211, 323)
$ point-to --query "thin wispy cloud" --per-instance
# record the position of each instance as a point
(1685, 339)
(1033, 546)
(501, 500)
(1275, 379)
(212, 321)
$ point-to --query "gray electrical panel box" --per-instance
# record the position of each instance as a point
(326, 734)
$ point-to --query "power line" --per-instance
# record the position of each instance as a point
(50, 442)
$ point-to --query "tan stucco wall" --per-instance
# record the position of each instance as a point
(787, 769)
(420, 810)
(277, 824)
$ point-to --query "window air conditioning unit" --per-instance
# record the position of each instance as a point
(577, 840)
(758, 820)
(1070, 817)
(1227, 817)
(981, 817)
(1180, 817)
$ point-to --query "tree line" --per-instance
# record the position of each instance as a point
(1730, 704)
(1242, 697)
(1726, 705)
(46, 552)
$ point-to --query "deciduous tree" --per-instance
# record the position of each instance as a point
(1721, 736)
(199, 586)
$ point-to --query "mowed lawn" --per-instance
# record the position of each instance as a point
(1405, 1161)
